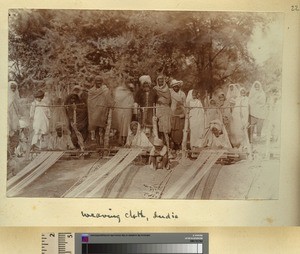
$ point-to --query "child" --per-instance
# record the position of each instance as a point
(159, 155)
(22, 146)
(39, 115)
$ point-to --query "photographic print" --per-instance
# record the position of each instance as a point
(144, 104)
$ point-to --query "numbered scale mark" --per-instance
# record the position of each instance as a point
(58, 243)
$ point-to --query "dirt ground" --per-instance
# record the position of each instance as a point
(246, 179)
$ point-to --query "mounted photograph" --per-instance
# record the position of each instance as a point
(144, 104)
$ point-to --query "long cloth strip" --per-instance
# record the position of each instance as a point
(187, 175)
(119, 168)
(52, 158)
(210, 181)
(30, 167)
(98, 172)
(215, 155)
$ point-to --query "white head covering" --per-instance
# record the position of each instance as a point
(145, 79)
(257, 101)
(12, 95)
(232, 93)
(175, 82)
(139, 139)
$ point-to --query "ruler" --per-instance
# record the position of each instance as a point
(58, 243)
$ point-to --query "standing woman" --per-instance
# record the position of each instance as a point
(13, 116)
(257, 103)
(232, 92)
(213, 112)
(239, 123)
(196, 120)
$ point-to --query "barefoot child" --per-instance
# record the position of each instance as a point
(159, 155)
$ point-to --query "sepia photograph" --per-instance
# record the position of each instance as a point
(144, 104)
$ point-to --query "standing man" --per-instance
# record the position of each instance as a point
(99, 101)
(163, 111)
(178, 113)
(146, 97)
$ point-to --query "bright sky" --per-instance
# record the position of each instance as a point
(264, 45)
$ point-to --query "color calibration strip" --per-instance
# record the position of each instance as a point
(141, 248)
(124, 243)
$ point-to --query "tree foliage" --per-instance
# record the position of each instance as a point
(57, 48)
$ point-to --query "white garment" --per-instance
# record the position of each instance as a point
(232, 92)
(138, 140)
(257, 101)
(239, 121)
(217, 142)
(40, 115)
(197, 123)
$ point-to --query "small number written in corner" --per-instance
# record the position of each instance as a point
(295, 8)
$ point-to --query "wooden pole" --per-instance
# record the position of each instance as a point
(107, 129)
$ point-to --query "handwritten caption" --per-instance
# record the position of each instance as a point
(131, 215)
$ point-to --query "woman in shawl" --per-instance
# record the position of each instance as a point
(99, 101)
(136, 137)
(77, 115)
(39, 115)
(224, 109)
(257, 103)
(13, 108)
(178, 113)
(213, 112)
(163, 111)
(232, 92)
(196, 120)
(239, 123)
(122, 113)
(217, 136)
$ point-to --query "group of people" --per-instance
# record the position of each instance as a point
(159, 117)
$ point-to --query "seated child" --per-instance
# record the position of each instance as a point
(159, 155)
(23, 138)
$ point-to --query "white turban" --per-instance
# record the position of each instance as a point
(145, 78)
